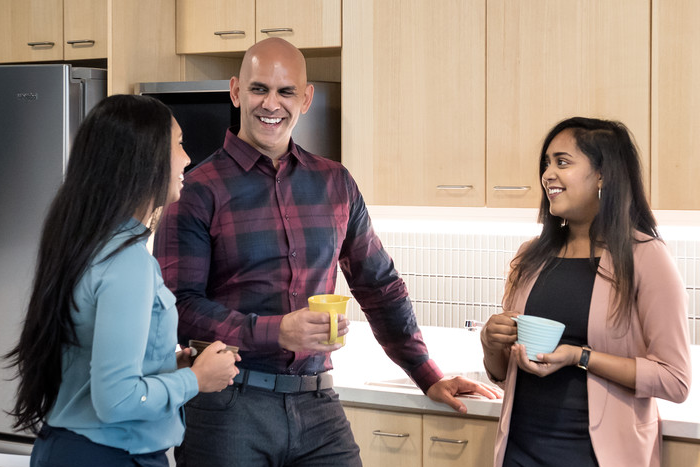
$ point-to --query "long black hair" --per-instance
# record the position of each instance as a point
(623, 210)
(119, 167)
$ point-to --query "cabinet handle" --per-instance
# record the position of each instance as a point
(512, 188)
(41, 44)
(455, 187)
(237, 32)
(437, 439)
(269, 30)
(81, 41)
(391, 435)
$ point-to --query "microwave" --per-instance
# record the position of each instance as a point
(204, 111)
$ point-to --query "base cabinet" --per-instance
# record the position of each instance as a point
(457, 441)
(395, 438)
(387, 438)
(678, 453)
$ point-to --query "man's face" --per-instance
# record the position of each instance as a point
(271, 93)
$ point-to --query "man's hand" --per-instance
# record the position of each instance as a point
(183, 358)
(303, 330)
(446, 389)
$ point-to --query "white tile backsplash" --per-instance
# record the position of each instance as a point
(458, 273)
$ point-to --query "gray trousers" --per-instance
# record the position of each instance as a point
(255, 427)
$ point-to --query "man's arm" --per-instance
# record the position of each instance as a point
(183, 249)
(383, 296)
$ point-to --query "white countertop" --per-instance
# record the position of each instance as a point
(457, 351)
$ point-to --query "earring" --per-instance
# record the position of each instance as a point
(564, 223)
(599, 190)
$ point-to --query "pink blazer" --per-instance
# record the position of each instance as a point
(624, 423)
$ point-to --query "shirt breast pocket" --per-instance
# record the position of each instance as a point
(162, 338)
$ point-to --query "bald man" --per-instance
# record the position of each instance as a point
(262, 225)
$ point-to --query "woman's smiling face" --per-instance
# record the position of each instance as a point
(570, 181)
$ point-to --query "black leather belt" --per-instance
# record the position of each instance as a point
(283, 383)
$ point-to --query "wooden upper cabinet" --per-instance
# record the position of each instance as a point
(143, 44)
(85, 29)
(211, 26)
(549, 60)
(308, 24)
(221, 26)
(47, 30)
(31, 30)
(676, 105)
(414, 100)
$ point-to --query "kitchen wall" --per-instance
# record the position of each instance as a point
(454, 260)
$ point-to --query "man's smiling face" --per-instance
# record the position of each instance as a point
(271, 92)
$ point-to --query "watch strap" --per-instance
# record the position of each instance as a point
(585, 356)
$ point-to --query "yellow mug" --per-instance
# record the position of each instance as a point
(334, 305)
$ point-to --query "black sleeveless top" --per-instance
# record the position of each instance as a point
(549, 422)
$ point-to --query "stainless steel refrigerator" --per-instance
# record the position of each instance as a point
(41, 107)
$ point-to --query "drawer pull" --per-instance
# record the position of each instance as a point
(41, 44)
(391, 435)
(269, 30)
(455, 187)
(81, 41)
(236, 32)
(512, 188)
(437, 439)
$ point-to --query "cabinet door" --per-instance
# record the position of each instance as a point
(31, 30)
(142, 46)
(675, 159)
(549, 60)
(456, 441)
(307, 24)
(386, 438)
(211, 26)
(414, 99)
(680, 453)
(85, 29)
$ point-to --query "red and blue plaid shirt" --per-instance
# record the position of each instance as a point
(247, 244)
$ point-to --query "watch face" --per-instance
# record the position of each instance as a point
(585, 355)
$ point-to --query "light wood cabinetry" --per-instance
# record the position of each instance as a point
(407, 439)
(84, 29)
(414, 100)
(206, 26)
(387, 438)
(308, 24)
(393, 438)
(52, 30)
(141, 44)
(31, 30)
(222, 26)
(456, 441)
(549, 60)
(680, 453)
(448, 106)
(675, 160)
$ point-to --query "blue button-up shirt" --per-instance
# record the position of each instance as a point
(120, 385)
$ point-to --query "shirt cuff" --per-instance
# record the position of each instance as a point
(426, 374)
(191, 383)
(266, 332)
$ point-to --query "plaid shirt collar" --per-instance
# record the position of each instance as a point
(247, 156)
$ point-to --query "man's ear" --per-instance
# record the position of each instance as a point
(308, 97)
(235, 85)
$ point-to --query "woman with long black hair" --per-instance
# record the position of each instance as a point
(99, 380)
(599, 267)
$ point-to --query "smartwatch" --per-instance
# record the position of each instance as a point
(585, 355)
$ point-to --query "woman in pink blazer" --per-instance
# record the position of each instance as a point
(600, 268)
